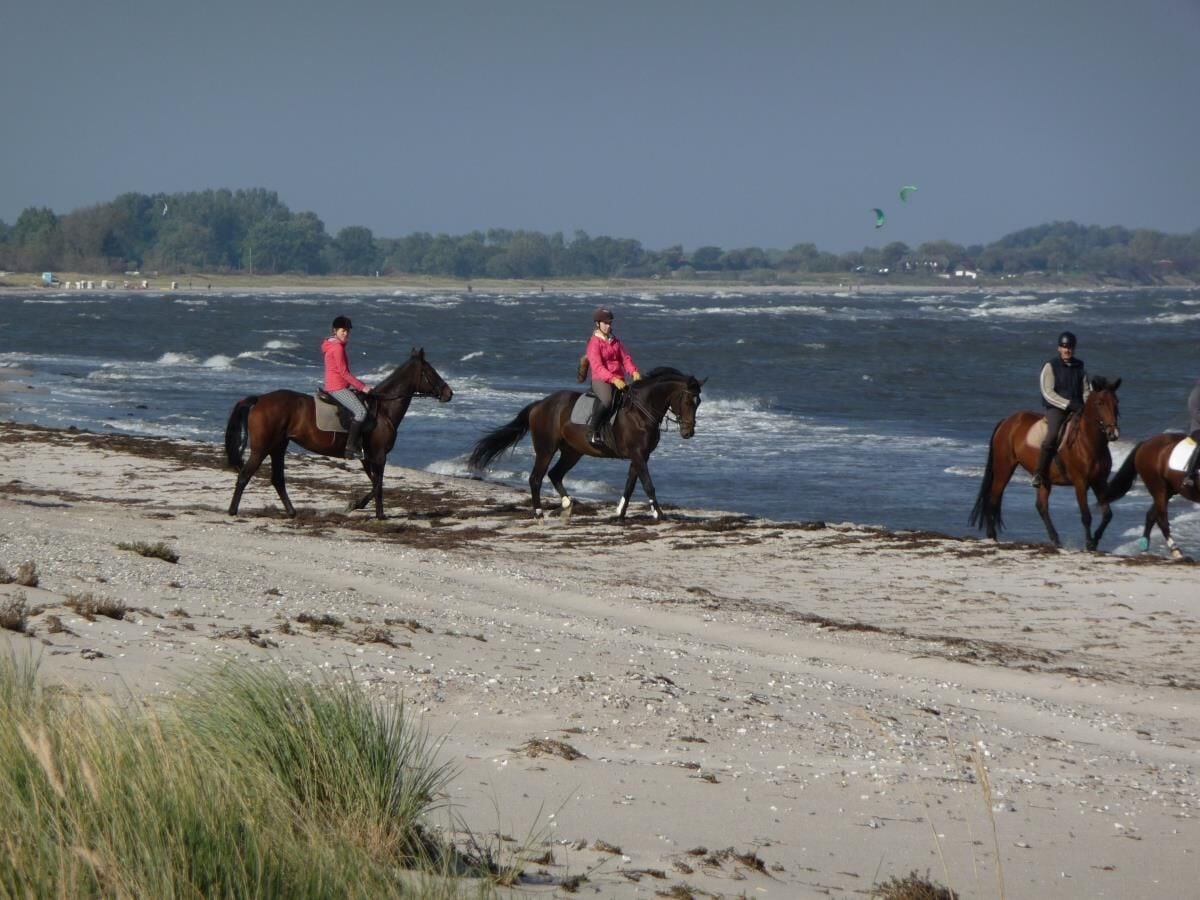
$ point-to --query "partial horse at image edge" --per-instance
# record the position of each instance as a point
(1149, 460)
(1082, 461)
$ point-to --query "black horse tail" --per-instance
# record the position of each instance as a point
(983, 514)
(496, 442)
(1120, 484)
(237, 435)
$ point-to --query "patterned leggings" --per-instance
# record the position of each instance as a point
(349, 399)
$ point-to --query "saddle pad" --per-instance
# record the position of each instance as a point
(327, 414)
(1036, 434)
(1181, 454)
(582, 410)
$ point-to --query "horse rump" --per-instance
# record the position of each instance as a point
(237, 434)
(496, 442)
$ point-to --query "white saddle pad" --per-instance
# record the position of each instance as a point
(1181, 454)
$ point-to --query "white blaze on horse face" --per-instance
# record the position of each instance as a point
(621, 506)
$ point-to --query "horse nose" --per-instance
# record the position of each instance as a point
(447, 395)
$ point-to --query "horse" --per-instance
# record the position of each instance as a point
(1082, 461)
(270, 421)
(1148, 461)
(641, 409)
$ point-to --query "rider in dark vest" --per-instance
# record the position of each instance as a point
(1065, 387)
(1190, 473)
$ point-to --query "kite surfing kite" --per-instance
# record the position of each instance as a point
(905, 191)
(878, 217)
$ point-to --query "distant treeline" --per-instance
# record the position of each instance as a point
(253, 231)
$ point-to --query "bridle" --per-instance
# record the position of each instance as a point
(425, 377)
(668, 417)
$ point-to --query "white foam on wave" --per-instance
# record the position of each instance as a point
(1004, 308)
(172, 358)
(473, 355)
(219, 361)
(801, 310)
(281, 345)
(1170, 319)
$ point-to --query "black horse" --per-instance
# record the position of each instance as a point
(270, 422)
(642, 407)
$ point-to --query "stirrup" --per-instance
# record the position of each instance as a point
(1038, 479)
(595, 440)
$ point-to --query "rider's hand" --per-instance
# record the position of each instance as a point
(619, 383)
(1074, 407)
(637, 376)
(367, 389)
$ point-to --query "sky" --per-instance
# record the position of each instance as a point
(761, 123)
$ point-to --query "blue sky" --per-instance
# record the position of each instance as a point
(762, 123)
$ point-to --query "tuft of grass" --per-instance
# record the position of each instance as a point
(27, 575)
(14, 615)
(245, 785)
(157, 550)
(912, 887)
(90, 606)
(316, 623)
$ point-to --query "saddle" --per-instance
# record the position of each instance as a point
(332, 416)
(1037, 433)
(581, 413)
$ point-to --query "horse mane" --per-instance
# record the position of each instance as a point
(1099, 383)
(390, 379)
(664, 372)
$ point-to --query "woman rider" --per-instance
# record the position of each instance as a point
(1065, 387)
(340, 384)
(610, 364)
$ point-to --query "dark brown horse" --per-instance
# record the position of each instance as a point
(643, 405)
(271, 421)
(1083, 461)
(1149, 461)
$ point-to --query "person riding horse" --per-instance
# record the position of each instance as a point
(340, 384)
(1190, 473)
(1065, 387)
(610, 364)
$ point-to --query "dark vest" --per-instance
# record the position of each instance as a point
(1068, 379)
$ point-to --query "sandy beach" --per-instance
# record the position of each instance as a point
(714, 705)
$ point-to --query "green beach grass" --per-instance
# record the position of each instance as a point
(248, 784)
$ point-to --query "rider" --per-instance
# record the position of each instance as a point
(1190, 472)
(1065, 387)
(610, 364)
(341, 385)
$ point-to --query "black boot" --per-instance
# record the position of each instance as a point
(354, 441)
(1190, 475)
(593, 425)
(1042, 473)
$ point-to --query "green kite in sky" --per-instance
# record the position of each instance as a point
(905, 191)
(878, 217)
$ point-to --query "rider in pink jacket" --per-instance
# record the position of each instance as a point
(341, 384)
(610, 364)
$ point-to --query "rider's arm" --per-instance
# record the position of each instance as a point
(1048, 393)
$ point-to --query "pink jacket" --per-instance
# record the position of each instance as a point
(608, 359)
(337, 372)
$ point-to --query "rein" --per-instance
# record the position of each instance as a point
(666, 416)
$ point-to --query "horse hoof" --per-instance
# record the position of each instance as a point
(1143, 544)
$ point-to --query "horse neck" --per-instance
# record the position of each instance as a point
(656, 396)
(1090, 428)
(395, 393)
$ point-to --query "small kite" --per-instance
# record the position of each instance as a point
(905, 191)
(878, 217)
(164, 209)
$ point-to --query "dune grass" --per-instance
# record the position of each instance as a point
(247, 785)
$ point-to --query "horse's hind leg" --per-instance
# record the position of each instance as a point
(244, 476)
(277, 460)
(566, 461)
(1042, 504)
(1159, 512)
(541, 462)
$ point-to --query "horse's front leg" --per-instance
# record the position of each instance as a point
(1105, 513)
(1043, 507)
(639, 469)
(277, 479)
(1085, 513)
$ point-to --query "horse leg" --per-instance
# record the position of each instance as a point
(376, 473)
(1160, 515)
(1105, 514)
(639, 469)
(1085, 515)
(566, 461)
(541, 462)
(277, 460)
(1042, 505)
(361, 500)
(244, 476)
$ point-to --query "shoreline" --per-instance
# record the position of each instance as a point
(841, 704)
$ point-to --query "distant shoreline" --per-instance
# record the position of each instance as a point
(191, 285)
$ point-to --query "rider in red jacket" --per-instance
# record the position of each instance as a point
(611, 364)
(341, 384)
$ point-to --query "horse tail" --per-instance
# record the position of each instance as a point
(1120, 484)
(496, 442)
(237, 434)
(983, 514)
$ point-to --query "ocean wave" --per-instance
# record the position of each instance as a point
(281, 345)
(172, 358)
(219, 361)
(475, 354)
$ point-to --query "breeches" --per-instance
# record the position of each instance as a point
(604, 392)
(1054, 423)
(349, 399)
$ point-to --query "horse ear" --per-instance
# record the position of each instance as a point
(1116, 384)
(703, 380)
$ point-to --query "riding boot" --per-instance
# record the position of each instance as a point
(1191, 475)
(1042, 473)
(354, 441)
(593, 426)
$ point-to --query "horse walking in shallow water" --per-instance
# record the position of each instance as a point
(1083, 462)
(1151, 461)
(268, 423)
(635, 434)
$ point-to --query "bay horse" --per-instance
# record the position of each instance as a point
(642, 408)
(1148, 461)
(1082, 461)
(268, 423)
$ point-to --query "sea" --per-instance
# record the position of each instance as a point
(832, 405)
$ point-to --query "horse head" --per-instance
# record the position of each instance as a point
(678, 392)
(415, 376)
(1103, 407)
(430, 382)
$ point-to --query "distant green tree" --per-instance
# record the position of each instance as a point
(706, 258)
(35, 239)
(354, 251)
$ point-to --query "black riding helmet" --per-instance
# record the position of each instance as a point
(1066, 339)
(600, 314)
(342, 322)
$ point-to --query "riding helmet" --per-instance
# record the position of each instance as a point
(342, 322)
(1066, 339)
(600, 314)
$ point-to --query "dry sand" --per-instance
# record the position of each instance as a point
(761, 708)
